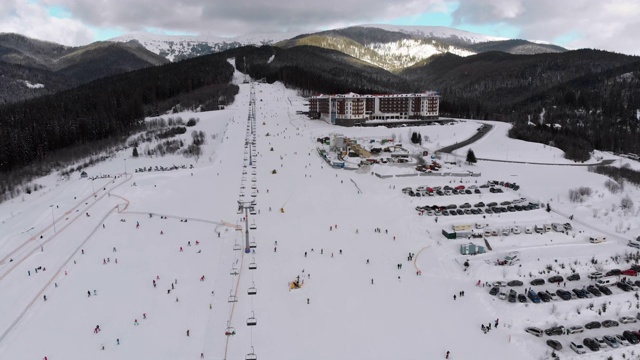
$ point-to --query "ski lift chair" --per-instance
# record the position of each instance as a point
(232, 297)
(234, 271)
(252, 321)
(253, 265)
(253, 226)
(253, 244)
(230, 330)
(252, 290)
(251, 356)
(237, 247)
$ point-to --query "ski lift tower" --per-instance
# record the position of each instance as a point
(246, 206)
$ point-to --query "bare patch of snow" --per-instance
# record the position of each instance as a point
(33, 86)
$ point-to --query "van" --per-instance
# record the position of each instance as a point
(608, 280)
(597, 240)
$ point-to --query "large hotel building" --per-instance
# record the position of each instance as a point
(354, 109)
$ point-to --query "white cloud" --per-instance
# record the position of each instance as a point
(607, 25)
(31, 19)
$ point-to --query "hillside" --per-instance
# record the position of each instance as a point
(148, 255)
(58, 67)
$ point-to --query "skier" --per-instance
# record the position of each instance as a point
(117, 341)
(45, 297)
(88, 293)
(447, 355)
(187, 332)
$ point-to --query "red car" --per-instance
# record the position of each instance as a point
(629, 272)
(459, 187)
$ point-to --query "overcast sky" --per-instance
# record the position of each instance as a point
(602, 24)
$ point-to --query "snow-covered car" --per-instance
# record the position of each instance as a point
(575, 330)
(487, 233)
(500, 283)
(554, 344)
(627, 320)
(611, 341)
(600, 340)
(528, 230)
(502, 295)
(621, 340)
(515, 230)
(596, 275)
(610, 323)
(534, 331)
(578, 348)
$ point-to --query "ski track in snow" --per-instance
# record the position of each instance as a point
(401, 315)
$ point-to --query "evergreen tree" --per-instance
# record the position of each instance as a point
(548, 207)
(471, 157)
(135, 152)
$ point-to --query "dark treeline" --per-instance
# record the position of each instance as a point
(31, 130)
(317, 70)
(619, 174)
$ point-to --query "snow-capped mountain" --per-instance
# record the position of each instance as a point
(180, 47)
(438, 32)
(391, 47)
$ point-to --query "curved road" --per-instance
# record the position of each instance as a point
(485, 129)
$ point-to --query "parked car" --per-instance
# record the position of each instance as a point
(601, 342)
(568, 226)
(563, 294)
(573, 277)
(537, 282)
(554, 344)
(528, 230)
(593, 325)
(502, 295)
(480, 204)
(579, 349)
(515, 283)
(515, 230)
(594, 290)
(579, 293)
(555, 279)
(512, 297)
(494, 290)
(555, 330)
(465, 206)
(533, 296)
(522, 298)
(629, 272)
(492, 204)
(534, 331)
(613, 272)
(623, 286)
(621, 340)
(596, 275)
(500, 283)
(544, 296)
(575, 330)
(591, 344)
(631, 337)
(611, 341)
(604, 289)
(610, 323)
(627, 320)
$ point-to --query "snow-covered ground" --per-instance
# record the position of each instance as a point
(355, 302)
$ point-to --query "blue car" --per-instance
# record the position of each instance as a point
(533, 296)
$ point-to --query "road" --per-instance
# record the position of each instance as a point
(486, 129)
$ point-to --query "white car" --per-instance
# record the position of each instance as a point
(627, 320)
(500, 284)
(502, 295)
(534, 331)
(601, 342)
(528, 230)
(621, 340)
(596, 275)
(578, 348)
(515, 230)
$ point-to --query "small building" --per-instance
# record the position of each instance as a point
(449, 234)
(471, 249)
